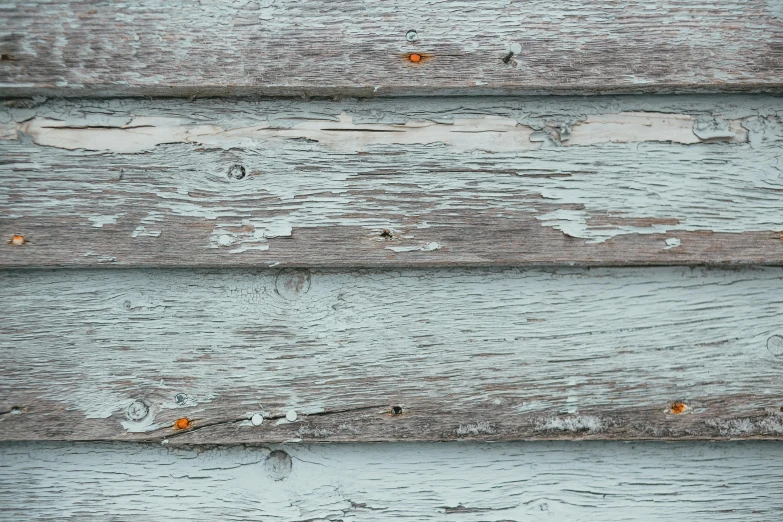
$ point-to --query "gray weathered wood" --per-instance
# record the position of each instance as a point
(594, 481)
(361, 48)
(488, 354)
(418, 181)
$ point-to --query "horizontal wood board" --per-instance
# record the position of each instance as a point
(362, 48)
(656, 353)
(465, 482)
(398, 182)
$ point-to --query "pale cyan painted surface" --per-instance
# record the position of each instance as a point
(463, 482)
(594, 168)
(521, 344)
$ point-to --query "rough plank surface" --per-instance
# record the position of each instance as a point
(362, 48)
(412, 181)
(594, 481)
(657, 353)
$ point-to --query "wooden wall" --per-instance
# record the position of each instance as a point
(513, 260)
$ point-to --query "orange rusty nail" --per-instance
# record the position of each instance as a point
(182, 423)
(17, 240)
(678, 407)
(415, 58)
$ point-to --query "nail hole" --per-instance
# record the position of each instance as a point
(396, 410)
(127, 305)
(16, 410)
(411, 36)
(181, 398)
(5, 57)
(415, 58)
(236, 172)
(17, 239)
(678, 408)
(386, 234)
(182, 423)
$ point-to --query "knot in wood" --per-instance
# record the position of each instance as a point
(278, 465)
(236, 172)
(137, 411)
(775, 345)
(291, 284)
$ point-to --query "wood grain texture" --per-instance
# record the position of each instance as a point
(402, 182)
(465, 482)
(391, 355)
(361, 48)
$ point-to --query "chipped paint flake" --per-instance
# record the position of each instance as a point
(142, 231)
(252, 235)
(672, 242)
(429, 247)
(99, 221)
(571, 423)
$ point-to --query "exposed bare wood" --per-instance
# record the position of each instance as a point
(360, 48)
(656, 353)
(479, 181)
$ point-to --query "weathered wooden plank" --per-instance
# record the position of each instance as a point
(465, 482)
(418, 181)
(360, 48)
(657, 353)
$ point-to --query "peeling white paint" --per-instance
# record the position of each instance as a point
(477, 428)
(142, 231)
(102, 258)
(423, 164)
(254, 235)
(429, 247)
(640, 127)
(488, 133)
(672, 242)
(99, 221)
(339, 133)
(571, 423)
